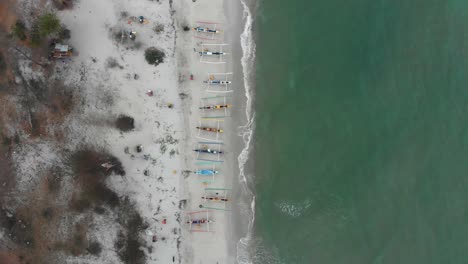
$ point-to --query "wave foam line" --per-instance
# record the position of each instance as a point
(246, 131)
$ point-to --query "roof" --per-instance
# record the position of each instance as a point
(62, 48)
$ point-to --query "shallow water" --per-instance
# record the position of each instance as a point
(361, 131)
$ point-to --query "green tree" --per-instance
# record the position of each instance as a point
(19, 30)
(48, 24)
(2, 64)
(36, 38)
(154, 56)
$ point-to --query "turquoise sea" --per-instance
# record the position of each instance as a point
(361, 138)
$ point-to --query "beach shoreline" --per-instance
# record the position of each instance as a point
(214, 247)
(109, 78)
(222, 245)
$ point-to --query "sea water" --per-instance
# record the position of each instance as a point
(361, 132)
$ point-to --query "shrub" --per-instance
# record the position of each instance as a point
(19, 30)
(36, 37)
(125, 123)
(154, 56)
(158, 28)
(63, 4)
(64, 33)
(48, 24)
(95, 248)
(2, 63)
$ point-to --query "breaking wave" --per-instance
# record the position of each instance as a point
(247, 131)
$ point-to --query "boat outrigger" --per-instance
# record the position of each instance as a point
(199, 223)
(210, 129)
(215, 107)
(219, 82)
(215, 199)
(212, 53)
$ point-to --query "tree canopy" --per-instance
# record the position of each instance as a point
(154, 56)
(48, 24)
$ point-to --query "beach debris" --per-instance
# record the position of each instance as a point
(183, 96)
(191, 77)
(146, 172)
(186, 173)
(172, 153)
(139, 148)
(127, 150)
(182, 204)
(132, 35)
(107, 165)
(112, 63)
(155, 238)
(136, 76)
(149, 92)
(170, 105)
(141, 19)
(164, 221)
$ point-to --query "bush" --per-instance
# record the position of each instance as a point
(36, 38)
(48, 24)
(19, 30)
(154, 56)
(63, 4)
(64, 33)
(158, 28)
(2, 63)
(125, 123)
(95, 248)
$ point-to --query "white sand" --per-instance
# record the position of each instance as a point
(204, 247)
(159, 129)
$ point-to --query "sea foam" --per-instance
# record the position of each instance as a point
(246, 131)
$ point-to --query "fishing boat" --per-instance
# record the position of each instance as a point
(206, 30)
(206, 172)
(215, 107)
(210, 129)
(209, 151)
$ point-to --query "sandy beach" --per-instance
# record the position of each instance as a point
(157, 186)
(99, 147)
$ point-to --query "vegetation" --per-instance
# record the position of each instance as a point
(158, 28)
(18, 30)
(2, 63)
(64, 33)
(95, 248)
(48, 24)
(125, 123)
(154, 56)
(63, 4)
